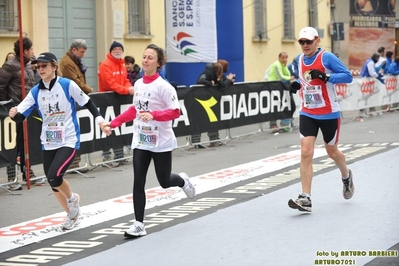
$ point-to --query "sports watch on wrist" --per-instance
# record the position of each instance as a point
(327, 77)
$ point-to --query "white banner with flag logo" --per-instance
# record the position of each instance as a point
(191, 31)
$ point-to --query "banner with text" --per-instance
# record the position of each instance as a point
(191, 31)
(202, 109)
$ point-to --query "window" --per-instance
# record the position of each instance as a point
(138, 17)
(288, 11)
(260, 30)
(313, 14)
(8, 15)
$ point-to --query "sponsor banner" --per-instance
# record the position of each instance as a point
(191, 31)
(8, 135)
(367, 92)
(203, 109)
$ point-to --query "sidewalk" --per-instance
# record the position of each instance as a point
(265, 231)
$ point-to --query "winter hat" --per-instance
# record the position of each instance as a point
(114, 45)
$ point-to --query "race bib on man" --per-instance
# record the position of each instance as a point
(313, 97)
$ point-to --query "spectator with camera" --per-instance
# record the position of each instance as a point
(212, 75)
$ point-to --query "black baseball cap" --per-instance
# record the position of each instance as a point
(45, 57)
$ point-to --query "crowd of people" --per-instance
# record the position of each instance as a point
(312, 74)
(380, 64)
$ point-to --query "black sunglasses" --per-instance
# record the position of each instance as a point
(308, 42)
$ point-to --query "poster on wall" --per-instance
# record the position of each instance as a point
(372, 13)
(191, 31)
(371, 26)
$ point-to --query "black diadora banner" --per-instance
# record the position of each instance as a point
(203, 109)
(206, 109)
(8, 135)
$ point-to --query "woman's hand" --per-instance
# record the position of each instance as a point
(106, 128)
(146, 116)
(13, 112)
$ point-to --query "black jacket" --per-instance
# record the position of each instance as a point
(209, 74)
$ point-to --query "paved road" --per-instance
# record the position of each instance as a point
(240, 216)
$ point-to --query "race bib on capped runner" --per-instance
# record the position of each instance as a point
(55, 133)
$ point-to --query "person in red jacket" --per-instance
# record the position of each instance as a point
(112, 76)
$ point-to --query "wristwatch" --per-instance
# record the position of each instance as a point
(327, 77)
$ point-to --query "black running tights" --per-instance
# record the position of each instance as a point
(163, 171)
(55, 164)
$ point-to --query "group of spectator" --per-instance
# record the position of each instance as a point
(377, 66)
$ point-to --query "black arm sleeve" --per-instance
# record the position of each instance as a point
(92, 108)
(18, 118)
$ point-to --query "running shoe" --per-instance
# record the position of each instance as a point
(74, 208)
(69, 223)
(348, 187)
(188, 188)
(137, 229)
(302, 203)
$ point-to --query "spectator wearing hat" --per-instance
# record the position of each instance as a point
(112, 76)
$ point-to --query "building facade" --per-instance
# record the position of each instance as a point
(270, 27)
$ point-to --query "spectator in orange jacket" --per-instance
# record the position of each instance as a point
(112, 76)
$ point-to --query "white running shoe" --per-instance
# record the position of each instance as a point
(137, 229)
(74, 208)
(69, 224)
(188, 188)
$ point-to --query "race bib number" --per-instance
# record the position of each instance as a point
(313, 97)
(147, 134)
(55, 133)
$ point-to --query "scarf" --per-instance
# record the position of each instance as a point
(82, 67)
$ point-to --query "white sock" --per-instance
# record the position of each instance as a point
(345, 177)
(71, 198)
(305, 194)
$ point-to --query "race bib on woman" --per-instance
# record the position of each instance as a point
(147, 134)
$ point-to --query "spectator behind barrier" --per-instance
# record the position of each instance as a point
(112, 76)
(72, 67)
